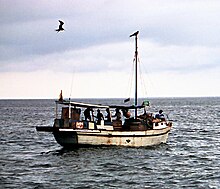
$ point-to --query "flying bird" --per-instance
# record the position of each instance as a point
(134, 34)
(60, 26)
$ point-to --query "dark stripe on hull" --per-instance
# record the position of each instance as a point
(112, 135)
(70, 138)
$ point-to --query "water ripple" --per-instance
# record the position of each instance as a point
(190, 159)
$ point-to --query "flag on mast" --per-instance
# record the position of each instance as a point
(61, 96)
(127, 100)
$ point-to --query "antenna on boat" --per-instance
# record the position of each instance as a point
(136, 54)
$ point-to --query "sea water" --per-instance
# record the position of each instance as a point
(190, 159)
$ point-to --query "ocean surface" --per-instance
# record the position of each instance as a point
(190, 159)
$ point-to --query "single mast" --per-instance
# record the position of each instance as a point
(136, 84)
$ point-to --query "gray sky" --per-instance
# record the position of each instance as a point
(179, 46)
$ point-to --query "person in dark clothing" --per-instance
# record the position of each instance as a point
(99, 117)
(109, 116)
(117, 114)
(87, 114)
(160, 115)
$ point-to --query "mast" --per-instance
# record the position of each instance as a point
(136, 84)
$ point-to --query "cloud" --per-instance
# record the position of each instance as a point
(28, 27)
(180, 59)
(118, 57)
(107, 57)
(176, 37)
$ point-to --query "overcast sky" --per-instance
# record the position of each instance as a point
(179, 48)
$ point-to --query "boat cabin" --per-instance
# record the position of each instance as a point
(73, 115)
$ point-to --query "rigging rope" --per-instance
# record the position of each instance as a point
(144, 91)
(149, 80)
(130, 82)
(142, 79)
(71, 86)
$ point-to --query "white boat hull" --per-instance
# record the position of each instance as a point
(75, 137)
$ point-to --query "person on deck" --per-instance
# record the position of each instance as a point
(126, 113)
(117, 114)
(160, 115)
(99, 117)
(109, 116)
(87, 114)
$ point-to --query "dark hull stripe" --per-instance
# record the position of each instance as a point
(112, 135)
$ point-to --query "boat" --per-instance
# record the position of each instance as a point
(72, 128)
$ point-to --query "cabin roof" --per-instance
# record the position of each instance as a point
(86, 105)
(80, 104)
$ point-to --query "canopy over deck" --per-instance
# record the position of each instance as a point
(80, 104)
(86, 105)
